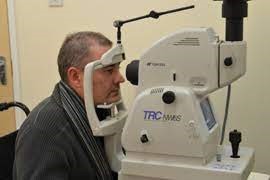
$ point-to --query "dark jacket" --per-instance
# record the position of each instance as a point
(47, 147)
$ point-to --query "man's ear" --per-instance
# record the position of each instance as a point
(75, 77)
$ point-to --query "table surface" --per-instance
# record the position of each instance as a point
(258, 176)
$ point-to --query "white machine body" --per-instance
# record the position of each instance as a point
(179, 139)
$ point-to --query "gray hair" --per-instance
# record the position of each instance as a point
(76, 47)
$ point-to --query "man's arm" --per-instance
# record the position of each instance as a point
(39, 155)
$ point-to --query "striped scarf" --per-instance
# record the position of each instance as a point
(75, 109)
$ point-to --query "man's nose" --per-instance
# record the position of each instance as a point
(119, 77)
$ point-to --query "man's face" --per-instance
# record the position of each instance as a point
(106, 84)
(106, 81)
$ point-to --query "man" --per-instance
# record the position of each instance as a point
(55, 141)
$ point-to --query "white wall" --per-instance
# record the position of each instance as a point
(41, 30)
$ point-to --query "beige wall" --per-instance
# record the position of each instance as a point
(41, 30)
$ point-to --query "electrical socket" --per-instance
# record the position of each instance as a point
(56, 3)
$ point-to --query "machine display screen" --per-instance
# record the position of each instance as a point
(208, 113)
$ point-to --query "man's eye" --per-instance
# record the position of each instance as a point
(110, 70)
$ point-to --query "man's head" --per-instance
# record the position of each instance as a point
(79, 49)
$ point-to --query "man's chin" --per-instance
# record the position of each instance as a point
(114, 99)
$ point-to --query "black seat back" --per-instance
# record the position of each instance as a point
(7, 152)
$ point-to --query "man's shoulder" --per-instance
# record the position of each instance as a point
(47, 117)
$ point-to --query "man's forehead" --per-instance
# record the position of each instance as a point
(98, 47)
(113, 65)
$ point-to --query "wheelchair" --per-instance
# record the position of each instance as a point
(7, 144)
